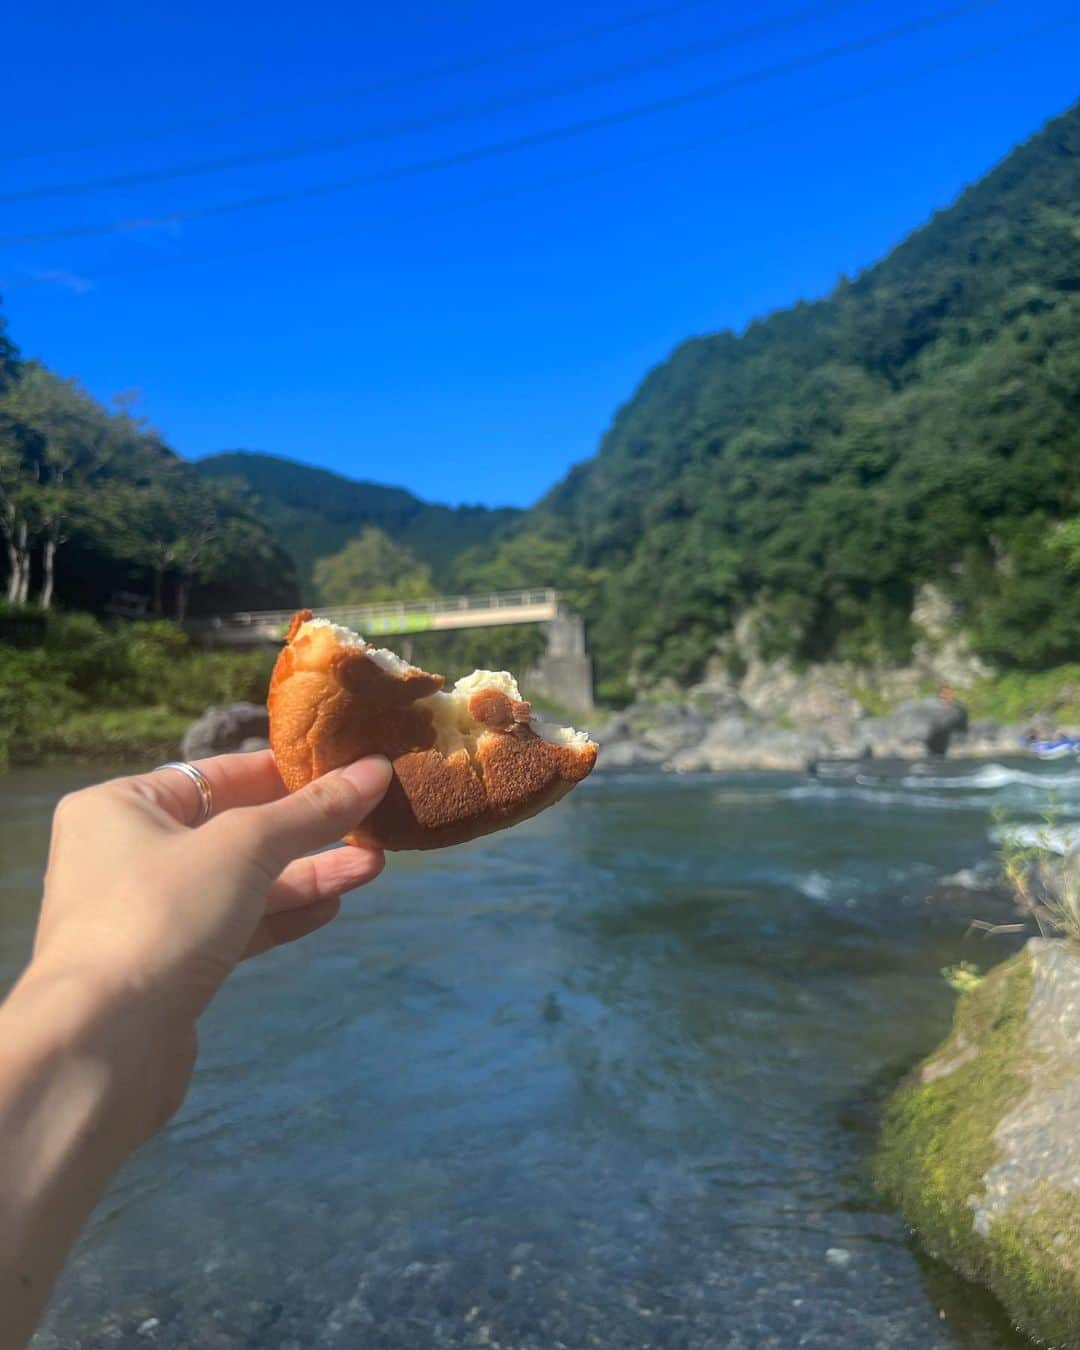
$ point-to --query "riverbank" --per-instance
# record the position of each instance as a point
(74, 687)
(778, 719)
(129, 736)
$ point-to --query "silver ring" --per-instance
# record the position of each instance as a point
(206, 792)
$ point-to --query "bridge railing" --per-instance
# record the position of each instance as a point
(527, 605)
(441, 604)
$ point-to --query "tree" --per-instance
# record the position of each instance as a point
(193, 545)
(540, 557)
(75, 436)
(170, 527)
(16, 487)
(54, 443)
(9, 356)
(1067, 543)
(21, 465)
(371, 568)
(100, 488)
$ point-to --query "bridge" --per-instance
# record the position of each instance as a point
(563, 674)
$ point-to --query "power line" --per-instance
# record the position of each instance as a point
(499, 148)
(387, 130)
(409, 80)
(598, 171)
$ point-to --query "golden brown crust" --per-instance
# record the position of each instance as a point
(331, 703)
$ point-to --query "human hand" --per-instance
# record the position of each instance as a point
(148, 916)
(143, 919)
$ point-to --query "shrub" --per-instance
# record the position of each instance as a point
(1020, 695)
(1045, 882)
(84, 684)
(33, 697)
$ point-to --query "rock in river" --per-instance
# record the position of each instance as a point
(921, 726)
(225, 729)
(980, 1149)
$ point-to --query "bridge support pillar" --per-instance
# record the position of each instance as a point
(564, 673)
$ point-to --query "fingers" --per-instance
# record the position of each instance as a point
(277, 929)
(308, 894)
(242, 780)
(235, 780)
(320, 813)
(324, 876)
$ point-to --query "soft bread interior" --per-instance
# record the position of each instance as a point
(455, 727)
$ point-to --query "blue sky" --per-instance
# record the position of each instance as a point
(467, 330)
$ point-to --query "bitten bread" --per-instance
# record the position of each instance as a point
(466, 761)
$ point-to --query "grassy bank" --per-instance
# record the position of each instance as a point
(1020, 695)
(1011, 696)
(71, 685)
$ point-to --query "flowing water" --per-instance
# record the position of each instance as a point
(609, 1080)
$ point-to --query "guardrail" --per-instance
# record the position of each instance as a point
(528, 605)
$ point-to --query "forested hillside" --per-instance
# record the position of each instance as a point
(94, 505)
(921, 423)
(314, 513)
(95, 510)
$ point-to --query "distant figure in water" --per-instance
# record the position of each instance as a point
(953, 721)
(157, 887)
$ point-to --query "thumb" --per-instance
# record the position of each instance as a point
(330, 806)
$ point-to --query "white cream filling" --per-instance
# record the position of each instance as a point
(489, 679)
(389, 661)
(455, 728)
(344, 636)
(556, 735)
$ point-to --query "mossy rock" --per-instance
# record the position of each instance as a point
(980, 1145)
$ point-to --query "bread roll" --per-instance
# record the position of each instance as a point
(466, 761)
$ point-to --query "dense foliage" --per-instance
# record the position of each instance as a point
(69, 682)
(371, 567)
(922, 423)
(314, 513)
(94, 505)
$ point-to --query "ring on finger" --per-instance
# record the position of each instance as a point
(202, 783)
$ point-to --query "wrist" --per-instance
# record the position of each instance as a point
(99, 1028)
(74, 1104)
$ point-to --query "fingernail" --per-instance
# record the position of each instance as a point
(371, 775)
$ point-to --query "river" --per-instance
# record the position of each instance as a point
(607, 1080)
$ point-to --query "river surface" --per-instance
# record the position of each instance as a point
(608, 1080)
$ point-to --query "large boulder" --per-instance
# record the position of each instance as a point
(979, 1145)
(650, 732)
(739, 742)
(917, 727)
(226, 729)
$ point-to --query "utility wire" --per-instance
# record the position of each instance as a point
(561, 180)
(409, 80)
(500, 148)
(387, 130)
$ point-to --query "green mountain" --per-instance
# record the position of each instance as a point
(314, 513)
(922, 423)
(919, 424)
